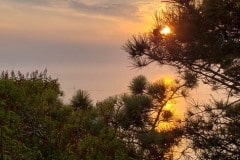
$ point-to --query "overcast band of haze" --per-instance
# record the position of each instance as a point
(79, 42)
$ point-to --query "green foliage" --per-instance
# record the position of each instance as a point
(102, 146)
(34, 124)
(158, 90)
(138, 85)
(81, 100)
(140, 114)
(135, 109)
(27, 104)
(158, 144)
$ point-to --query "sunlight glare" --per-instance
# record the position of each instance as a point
(169, 106)
(165, 31)
(168, 81)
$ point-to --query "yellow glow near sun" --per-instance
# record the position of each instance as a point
(168, 81)
(169, 106)
(166, 125)
(165, 31)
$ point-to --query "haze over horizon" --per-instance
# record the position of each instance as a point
(77, 41)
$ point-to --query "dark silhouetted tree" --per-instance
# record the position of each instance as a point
(204, 41)
(140, 117)
(213, 131)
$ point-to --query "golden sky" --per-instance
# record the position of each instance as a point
(76, 21)
(77, 41)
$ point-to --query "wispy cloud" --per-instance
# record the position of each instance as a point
(106, 8)
(125, 8)
(78, 41)
(32, 2)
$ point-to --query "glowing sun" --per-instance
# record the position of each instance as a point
(165, 31)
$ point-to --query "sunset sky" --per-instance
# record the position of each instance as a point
(77, 41)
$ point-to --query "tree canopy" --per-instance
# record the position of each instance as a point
(35, 124)
(204, 39)
(205, 43)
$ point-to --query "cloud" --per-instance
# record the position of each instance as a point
(125, 9)
(32, 2)
(108, 8)
(78, 41)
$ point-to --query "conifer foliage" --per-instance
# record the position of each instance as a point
(35, 124)
(205, 42)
